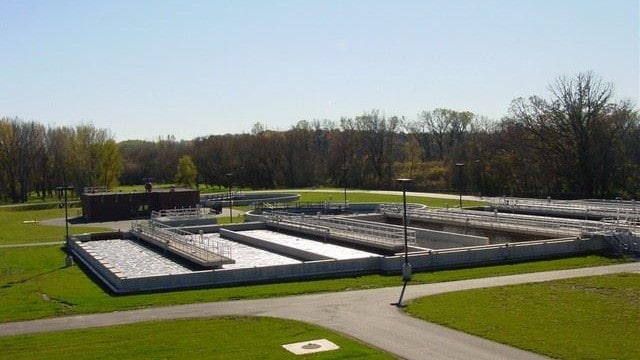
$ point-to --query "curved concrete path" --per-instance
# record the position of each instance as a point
(365, 314)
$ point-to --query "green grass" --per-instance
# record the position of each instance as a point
(209, 338)
(14, 230)
(34, 284)
(237, 218)
(583, 318)
(363, 196)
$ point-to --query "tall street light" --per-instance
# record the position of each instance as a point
(479, 176)
(63, 190)
(344, 183)
(460, 166)
(406, 267)
(229, 175)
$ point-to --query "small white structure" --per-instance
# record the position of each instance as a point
(310, 347)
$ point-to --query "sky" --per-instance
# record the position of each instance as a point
(149, 69)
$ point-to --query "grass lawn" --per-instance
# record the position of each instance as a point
(355, 197)
(34, 284)
(14, 230)
(213, 338)
(583, 318)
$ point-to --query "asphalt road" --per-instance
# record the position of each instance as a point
(366, 315)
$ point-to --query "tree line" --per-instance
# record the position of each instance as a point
(35, 159)
(577, 142)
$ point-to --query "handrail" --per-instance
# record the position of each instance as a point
(612, 209)
(184, 241)
(505, 221)
(189, 212)
(94, 189)
(346, 228)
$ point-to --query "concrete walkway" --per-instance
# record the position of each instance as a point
(121, 225)
(366, 315)
(45, 243)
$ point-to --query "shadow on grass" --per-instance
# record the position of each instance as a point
(22, 281)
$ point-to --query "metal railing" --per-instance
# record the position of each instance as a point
(184, 241)
(618, 209)
(284, 206)
(291, 223)
(344, 228)
(504, 221)
(220, 195)
(182, 213)
(398, 207)
(94, 189)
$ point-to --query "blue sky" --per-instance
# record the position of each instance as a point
(148, 69)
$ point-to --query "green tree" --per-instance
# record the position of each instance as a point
(187, 171)
(413, 154)
(110, 166)
(21, 149)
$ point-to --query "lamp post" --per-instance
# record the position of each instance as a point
(406, 267)
(229, 175)
(479, 176)
(344, 183)
(460, 166)
(63, 190)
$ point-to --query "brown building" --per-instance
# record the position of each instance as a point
(110, 206)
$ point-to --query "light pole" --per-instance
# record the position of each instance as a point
(229, 175)
(406, 267)
(63, 190)
(460, 166)
(479, 176)
(344, 183)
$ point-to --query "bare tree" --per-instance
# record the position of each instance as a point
(447, 127)
(378, 137)
(579, 126)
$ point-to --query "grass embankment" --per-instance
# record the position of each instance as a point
(21, 224)
(217, 338)
(582, 318)
(34, 284)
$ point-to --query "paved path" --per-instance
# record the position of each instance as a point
(45, 243)
(120, 225)
(365, 314)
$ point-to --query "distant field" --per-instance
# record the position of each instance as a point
(582, 318)
(216, 338)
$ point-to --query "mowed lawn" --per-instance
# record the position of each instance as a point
(35, 284)
(209, 338)
(371, 197)
(583, 318)
(21, 224)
